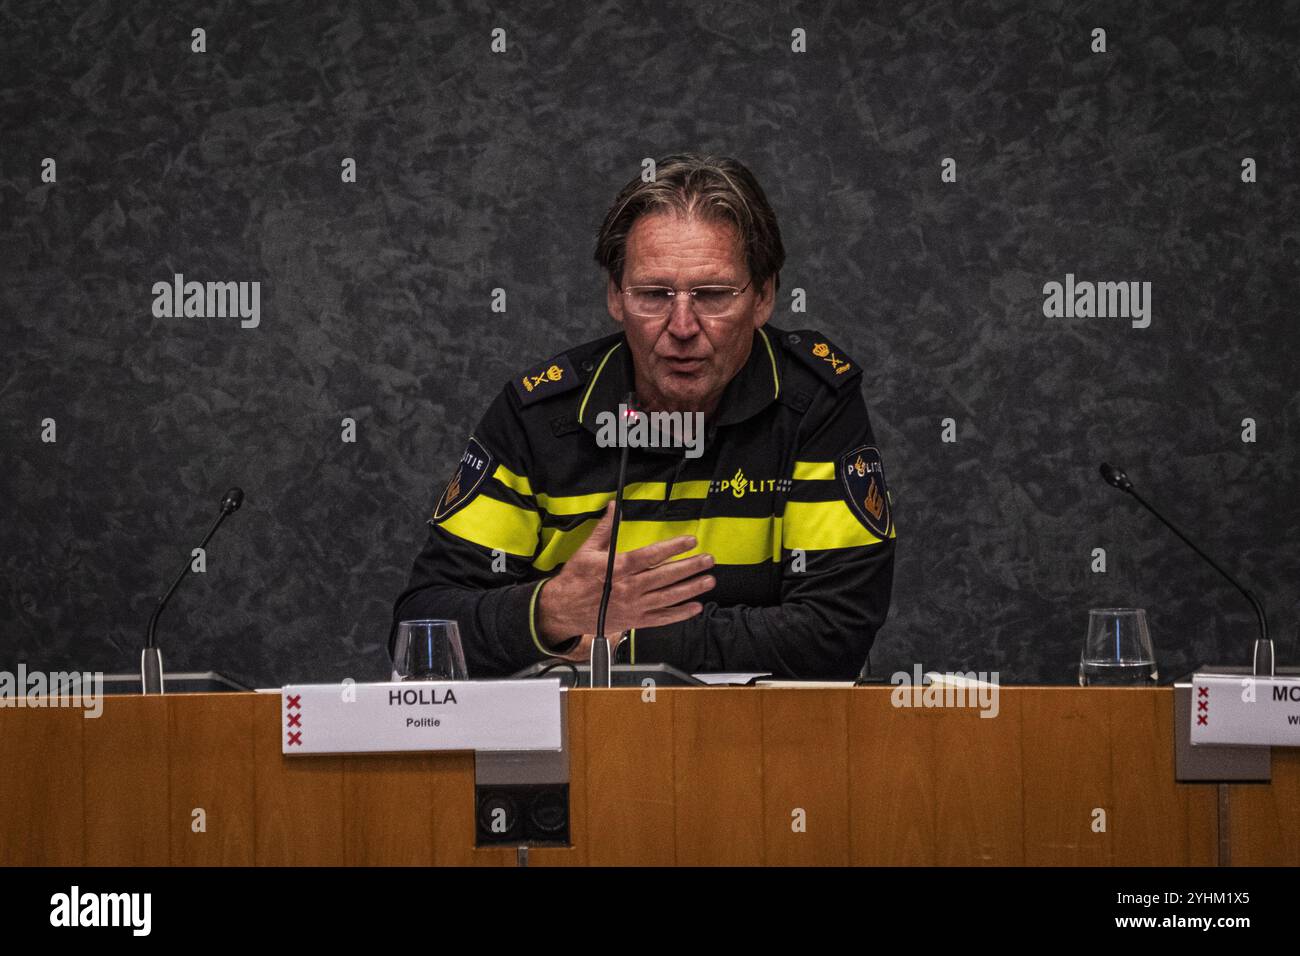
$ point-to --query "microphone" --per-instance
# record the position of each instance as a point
(1263, 662)
(151, 672)
(601, 651)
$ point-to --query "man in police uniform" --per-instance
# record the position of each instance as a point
(772, 550)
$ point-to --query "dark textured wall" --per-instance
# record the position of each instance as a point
(478, 170)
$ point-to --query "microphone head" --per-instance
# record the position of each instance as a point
(629, 402)
(1115, 477)
(233, 499)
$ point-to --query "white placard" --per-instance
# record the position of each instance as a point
(420, 715)
(1229, 709)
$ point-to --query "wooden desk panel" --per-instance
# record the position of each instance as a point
(892, 774)
(1066, 748)
(717, 774)
(694, 776)
(805, 770)
(42, 811)
(299, 810)
(210, 778)
(127, 794)
(1156, 823)
(1266, 818)
(628, 788)
(978, 771)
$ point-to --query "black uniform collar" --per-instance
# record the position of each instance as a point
(753, 388)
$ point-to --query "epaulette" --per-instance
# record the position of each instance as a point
(827, 361)
(553, 377)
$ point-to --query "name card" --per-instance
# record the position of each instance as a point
(353, 718)
(1262, 711)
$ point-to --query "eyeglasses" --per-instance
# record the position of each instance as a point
(709, 301)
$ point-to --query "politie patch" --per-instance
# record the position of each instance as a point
(864, 484)
(474, 466)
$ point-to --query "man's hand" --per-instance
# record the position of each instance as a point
(649, 589)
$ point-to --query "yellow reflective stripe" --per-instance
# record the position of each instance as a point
(532, 620)
(823, 526)
(559, 546)
(814, 471)
(574, 504)
(512, 481)
(643, 491)
(632, 650)
(592, 384)
(637, 491)
(690, 489)
(729, 540)
(496, 525)
(776, 379)
(657, 490)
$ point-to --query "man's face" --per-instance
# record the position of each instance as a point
(683, 362)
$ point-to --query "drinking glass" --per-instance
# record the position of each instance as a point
(428, 650)
(1117, 650)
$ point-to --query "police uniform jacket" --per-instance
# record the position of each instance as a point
(789, 497)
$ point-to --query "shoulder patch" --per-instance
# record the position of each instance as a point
(553, 377)
(820, 354)
(475, 465)
(863, 475)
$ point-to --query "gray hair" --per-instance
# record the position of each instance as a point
(717, 188)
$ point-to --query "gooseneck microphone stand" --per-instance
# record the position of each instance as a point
(1263, 658)
(151, 668)
(602, 652)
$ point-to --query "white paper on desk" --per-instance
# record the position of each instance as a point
(958, 680)
(738, 678)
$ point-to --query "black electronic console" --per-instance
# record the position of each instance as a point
(621, 675)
